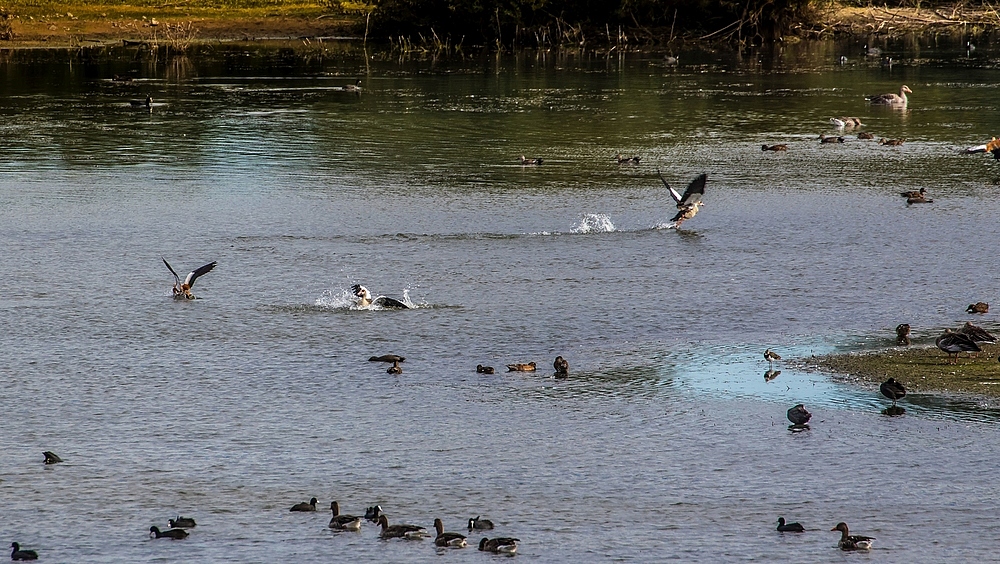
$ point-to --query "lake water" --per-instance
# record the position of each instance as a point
(665, 443)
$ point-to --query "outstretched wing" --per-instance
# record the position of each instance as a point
(694, 191)
(194, 274)
(177, 279)
(359, 290)
(673, 193)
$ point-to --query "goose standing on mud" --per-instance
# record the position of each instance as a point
(182, 290)
(365, 299)
(689, 203)
(955, 343)
(890, 99)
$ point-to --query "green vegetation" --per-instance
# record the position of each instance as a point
(922, 369)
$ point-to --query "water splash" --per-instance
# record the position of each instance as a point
(345, 299)
(594, 223)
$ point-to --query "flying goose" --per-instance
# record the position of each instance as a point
(453, 540)
(892, 99)
(852, 542)
(690, 202)
(182, 290)
(892, 390)
(365, 299)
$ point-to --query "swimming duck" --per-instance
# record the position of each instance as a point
(561, 366)
(977, 334)
(829, 139)
(798, 415)
(395, 368)
(18, 554)
(955, 343)
(356, 87)
(500, 545)
(343, 522)
(775, 148)
(771, 356)
(903, 334)
(373, 513)
(311, 506)
(387, 358)
(978, 307)
(865, 135)
(914, 193)
(365, 299)
(688, 204)
(892, 390)
(790, 527)
(891, 142)
(477, 524)
(147, 103)
(891, 99)
(521, 367)
(626, 160)
(400, 531)
(155, 532)
(453, 540)
(484, 369)
(51, 457)
(842, 122)
(181, 523)
(182, 290)
(852, 542)
(919, 200)
(530, 162)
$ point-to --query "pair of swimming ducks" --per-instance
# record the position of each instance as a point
(847, 540)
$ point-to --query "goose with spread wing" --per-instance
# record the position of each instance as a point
(365, 299)
(182, 290)
(688, 203)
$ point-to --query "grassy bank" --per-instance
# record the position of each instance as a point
(26, 23)
(921, 369)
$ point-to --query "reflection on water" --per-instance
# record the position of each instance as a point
(260, 394)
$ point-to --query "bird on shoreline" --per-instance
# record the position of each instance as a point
(400, 531)
(903, 334)
(771, 356)
(343, 522)
(892, 390)
(454, 540)
(310, 506)
(799, 416)
(978, 307)
(776, 148)
(18, 554)
(790, 527)
(155, 532)
(51, 457)
(955, 343)
(852, 542)
(182, 290)
(978, 334)
(891, 99)
(689, 203)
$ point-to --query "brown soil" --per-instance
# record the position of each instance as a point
(898, 21)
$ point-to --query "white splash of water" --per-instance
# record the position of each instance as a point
(341, 299)
(667, 225)
(594, 223)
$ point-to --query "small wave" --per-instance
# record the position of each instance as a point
(594, 223)
(667, 225)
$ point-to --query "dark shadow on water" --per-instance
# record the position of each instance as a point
(893, 411)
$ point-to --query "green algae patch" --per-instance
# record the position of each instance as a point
(921, 369)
